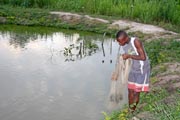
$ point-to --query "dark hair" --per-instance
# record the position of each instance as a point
(121, 33)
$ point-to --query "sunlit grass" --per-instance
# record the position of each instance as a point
(139, 10)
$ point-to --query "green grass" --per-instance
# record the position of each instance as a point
(155, 105)
(161, 51)
(160, 109)
(41, 17)
(146, 11)
(30, 3)
(167, 112)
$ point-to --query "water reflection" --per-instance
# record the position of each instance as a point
(85, 48)
(36, 82)
(82, 45)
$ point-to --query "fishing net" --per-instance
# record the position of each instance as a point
(119, 81)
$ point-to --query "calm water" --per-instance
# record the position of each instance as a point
(47, 74)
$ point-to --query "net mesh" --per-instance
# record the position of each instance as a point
(119, 81)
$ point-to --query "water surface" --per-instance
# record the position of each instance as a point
(50, 74)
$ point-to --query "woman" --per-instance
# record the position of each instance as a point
(138, 80)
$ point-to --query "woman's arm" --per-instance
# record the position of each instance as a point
(141, 54)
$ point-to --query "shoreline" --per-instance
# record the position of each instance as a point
(67, 20)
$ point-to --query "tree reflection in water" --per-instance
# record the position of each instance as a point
(86, 44)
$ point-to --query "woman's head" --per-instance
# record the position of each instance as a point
(122, 37)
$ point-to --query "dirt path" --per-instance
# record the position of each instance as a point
(131, 27)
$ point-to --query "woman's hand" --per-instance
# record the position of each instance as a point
(126, 56)
(114, 76)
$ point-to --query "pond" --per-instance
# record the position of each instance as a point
(52, 74)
